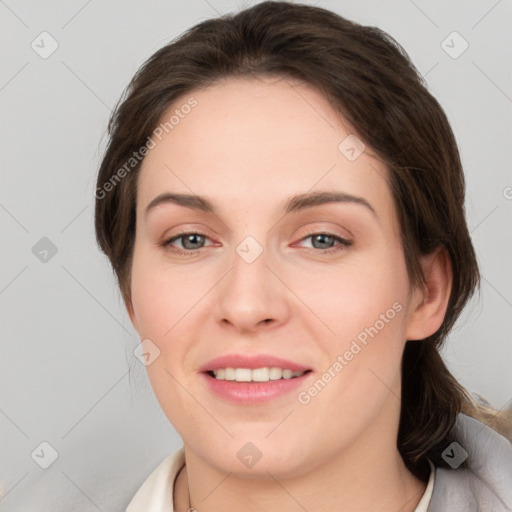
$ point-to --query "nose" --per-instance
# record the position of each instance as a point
(250, 297)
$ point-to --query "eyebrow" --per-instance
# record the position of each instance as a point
(294, 203)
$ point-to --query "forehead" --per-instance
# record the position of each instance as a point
(256, 138)
(269, 113)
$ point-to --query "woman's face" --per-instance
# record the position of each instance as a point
(322, 285)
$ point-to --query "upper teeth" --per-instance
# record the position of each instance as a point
(256, 375)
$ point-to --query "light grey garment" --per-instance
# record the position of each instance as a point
(486, 484)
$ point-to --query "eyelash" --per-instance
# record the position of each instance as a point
(343, 243)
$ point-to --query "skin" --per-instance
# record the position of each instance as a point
(249, 145)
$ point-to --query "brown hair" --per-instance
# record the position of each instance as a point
(368, 78)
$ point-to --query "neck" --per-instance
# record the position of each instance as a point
(403, 498)
(364, 476)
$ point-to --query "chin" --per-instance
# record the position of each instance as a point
(254, 457)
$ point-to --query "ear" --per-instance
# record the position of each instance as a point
(428, 305)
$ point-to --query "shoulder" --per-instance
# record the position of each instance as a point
(156, 493)
(484, 481)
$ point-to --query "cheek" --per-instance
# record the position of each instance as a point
(350, 297)
(362, 362)
(364, 307)
(165, 303)
(160, 301)
(159, 296)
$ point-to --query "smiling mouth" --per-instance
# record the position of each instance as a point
(256, 375)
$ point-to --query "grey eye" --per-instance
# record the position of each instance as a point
(190, 241)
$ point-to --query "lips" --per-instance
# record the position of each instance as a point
(253, 392)
(252, 362)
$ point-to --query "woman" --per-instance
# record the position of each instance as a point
(293, 253)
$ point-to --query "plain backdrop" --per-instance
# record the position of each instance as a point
(68, 374)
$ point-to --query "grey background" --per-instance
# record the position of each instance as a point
(67, 343)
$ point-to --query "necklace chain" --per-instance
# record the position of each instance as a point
(190, 507)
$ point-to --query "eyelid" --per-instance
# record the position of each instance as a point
(343, 241)
(335, 232)
(182, 234)
(342, 245)
(183, 230)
